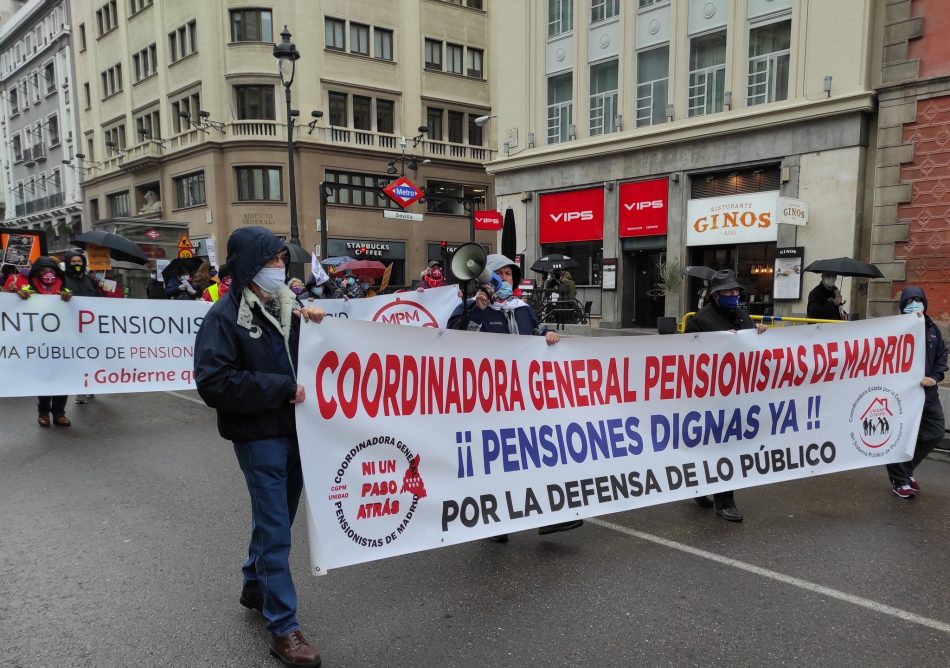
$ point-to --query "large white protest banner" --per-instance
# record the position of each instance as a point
(442, 437)
(101, 346)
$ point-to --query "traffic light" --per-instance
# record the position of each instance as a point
(444, 248)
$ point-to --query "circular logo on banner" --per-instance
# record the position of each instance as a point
(406, 313)
(876, 424)
(376, 491)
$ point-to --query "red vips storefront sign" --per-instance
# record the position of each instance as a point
(644, 207)
(575, 215)
(488, 220)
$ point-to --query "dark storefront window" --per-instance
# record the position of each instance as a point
(359, 189)
(589, 256)
(736, 182)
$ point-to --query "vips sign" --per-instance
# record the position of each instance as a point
(102, 346)
(445, 437)
(490, 221)
(644, 208)
(575, 215)
(738, 219)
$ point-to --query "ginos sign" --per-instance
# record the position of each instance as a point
(643, 208)
(575, 215)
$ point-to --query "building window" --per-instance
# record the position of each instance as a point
(359, 39)
(385, 116)
(588, 255)
(119, 204)
(183, 42)
(338, 116)
(82, 36)
(94, 210)
(190, 190)
(453, 58)
(255, 103)
(736, 182)
(434, 122)
(49, 75)
(653, 80)
(444, 197)
(15, 103)
(649, 3)
(433, 55)
(362, 113)
(251, 25)
(560, 17)
(87, 95)
(17, 148)
(52, 125)
(456, 123)
(114, 139)
(474, 4)
(603, 98)
(382, 44)
(35, 84)
(474, 65)
(475, 134)
(111, 81)
(148, 126)
(189, 105)
(769, 54)
(707, 73)
(560, 107)
(258, 184)
(601, 10)
(135, 6)
(145, 62)
(358, 189)
(106, 18)
(335, 31)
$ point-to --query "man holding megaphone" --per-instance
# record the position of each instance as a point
(494, 309)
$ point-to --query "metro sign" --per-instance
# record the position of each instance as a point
(153, 234)
(403, 192)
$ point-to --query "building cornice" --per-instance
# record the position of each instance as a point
(704, 127)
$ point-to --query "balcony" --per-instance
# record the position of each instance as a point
(28, 156)
(254, 130)
(142, 156)
(40, 204)
(390, 142)
(39, 152)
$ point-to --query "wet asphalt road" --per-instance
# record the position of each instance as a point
(122, 539)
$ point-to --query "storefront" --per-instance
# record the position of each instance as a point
(642, 226)
(737, 232)
(387, 252)
(572, 223)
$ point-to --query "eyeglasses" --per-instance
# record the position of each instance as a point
(919, 300)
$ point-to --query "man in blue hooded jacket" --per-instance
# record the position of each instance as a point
(245, 367)
(914, 300)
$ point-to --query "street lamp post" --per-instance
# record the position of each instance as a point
(287, 55)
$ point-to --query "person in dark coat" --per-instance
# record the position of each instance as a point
(722, 314)
(46, 278)
(931, 433)
(77, 278)
(245, 368)
(501, 313)
(182, 287)
(824, 301)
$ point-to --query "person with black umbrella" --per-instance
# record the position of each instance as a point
(825, 300)
(722, 314)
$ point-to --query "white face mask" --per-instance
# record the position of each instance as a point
(829, 282)
(270, 279)
(913, 307)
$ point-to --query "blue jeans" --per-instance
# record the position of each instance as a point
(271, 468)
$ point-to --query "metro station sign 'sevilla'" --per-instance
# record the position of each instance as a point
(403, 192)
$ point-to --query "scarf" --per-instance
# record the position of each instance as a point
(278, 311)
(508, 308)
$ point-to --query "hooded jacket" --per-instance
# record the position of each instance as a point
(245, 365)
(38, 267)
(935, 360)
(712, 318)
(81, 284)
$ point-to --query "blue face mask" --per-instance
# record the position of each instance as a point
(504, 292)
(913, 307)
(728, 301)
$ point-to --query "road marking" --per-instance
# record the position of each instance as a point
(779, 577)
(186, 398)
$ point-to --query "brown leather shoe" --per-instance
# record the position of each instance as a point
(43, 420)
(62, 421)
(294, 650)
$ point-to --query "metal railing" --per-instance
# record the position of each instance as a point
(39, 204)
(770, 320)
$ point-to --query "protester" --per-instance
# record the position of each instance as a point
(825, 301)
(722, 314)
(432, 277)
(350, 287)
(202, 277)
(46, 278)
(182, 287)
(931, 433)
(217, 290)
(80, 284)
(154, 289)
(502, 313)
(12, 278)
(568, 287)
(112, 286)
(299, 289)
(245, 367)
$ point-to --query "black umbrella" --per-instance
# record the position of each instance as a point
(509, 244)
(120, 248)
(699, 271)
(554, 262)
(189, 264)
(845, 266)
(297, 255)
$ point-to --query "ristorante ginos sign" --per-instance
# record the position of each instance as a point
(737, 219)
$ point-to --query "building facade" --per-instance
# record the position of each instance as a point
(910, 232)
(42, 189)
(643, 136)
(184, 120)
